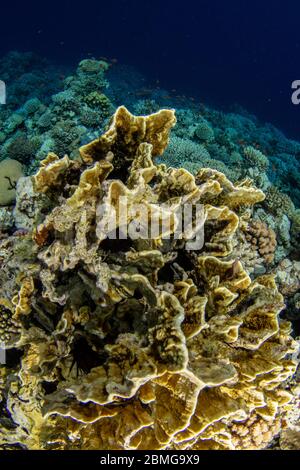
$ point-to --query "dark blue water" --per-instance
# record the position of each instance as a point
(222, 52)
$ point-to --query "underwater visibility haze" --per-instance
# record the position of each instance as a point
(149, 225)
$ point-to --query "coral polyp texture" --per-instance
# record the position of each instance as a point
(138, 342)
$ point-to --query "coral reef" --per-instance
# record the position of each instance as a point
(138, 341)
(30, 206)
(256, 433)
(6, 219)
(256, 158)
(87, 286)
(204, 132)
(191, 155)
(288, 276)
(22, 149)
(277, 202)
(60, 120)
(30, 78)
(10, 172)
(79, 104)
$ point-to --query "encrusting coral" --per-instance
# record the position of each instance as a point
(138, 342)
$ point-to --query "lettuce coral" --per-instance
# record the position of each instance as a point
(138, 343)
(10, 171)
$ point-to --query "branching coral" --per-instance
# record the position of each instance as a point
(262, 239)
(256, 433)
(256, 158)
(288, 276)
(10, 172)
(138, 342)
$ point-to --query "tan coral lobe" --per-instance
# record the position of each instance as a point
(139, 342)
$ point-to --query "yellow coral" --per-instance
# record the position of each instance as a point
(141, 343)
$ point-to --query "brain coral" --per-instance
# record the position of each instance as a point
(137, 343)
(10, 171)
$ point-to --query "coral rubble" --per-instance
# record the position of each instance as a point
(263, 239)
(138, 342)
